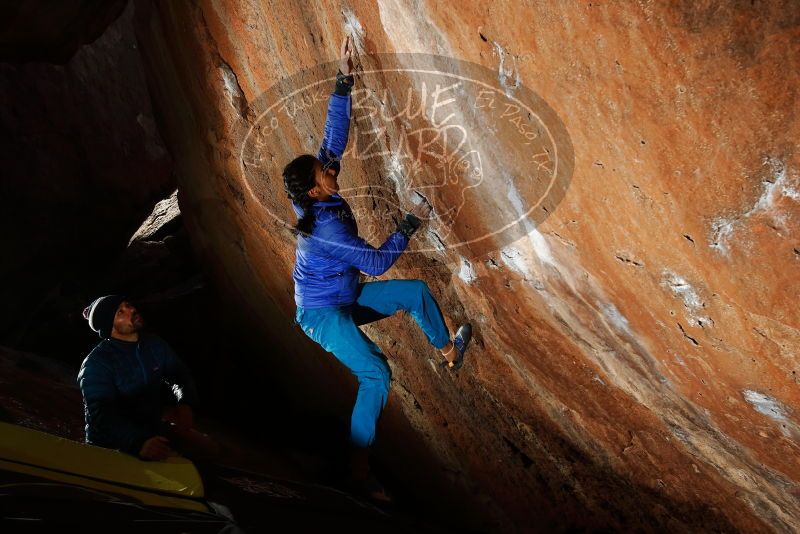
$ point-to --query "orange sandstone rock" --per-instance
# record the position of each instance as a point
(636, 338)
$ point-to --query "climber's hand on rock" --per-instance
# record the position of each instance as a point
(421, 211)
(346, 63)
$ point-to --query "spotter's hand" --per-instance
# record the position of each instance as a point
(156, 449)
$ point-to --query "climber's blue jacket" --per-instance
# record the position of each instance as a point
(126, 386)
(328, 261)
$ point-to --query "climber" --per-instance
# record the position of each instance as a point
(137, 394)
(331, 302)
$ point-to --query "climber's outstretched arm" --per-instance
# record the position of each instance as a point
(337, 124)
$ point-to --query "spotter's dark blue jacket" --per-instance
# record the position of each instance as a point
(328, 262)
(126, 386)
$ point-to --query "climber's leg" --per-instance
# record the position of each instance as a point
(333, 328)
(386, 297)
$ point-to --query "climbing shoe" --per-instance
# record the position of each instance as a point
(461, 342)
(375, 491)
(370, 489)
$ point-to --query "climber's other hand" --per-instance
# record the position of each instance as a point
(346, 62)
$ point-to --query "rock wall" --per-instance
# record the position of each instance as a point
(48, 31)
(636, 348)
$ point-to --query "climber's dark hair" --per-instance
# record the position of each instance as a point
(298, 179)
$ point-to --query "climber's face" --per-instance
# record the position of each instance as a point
(325, 183)
(127, 320)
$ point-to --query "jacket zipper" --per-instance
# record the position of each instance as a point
(341, 287)
(141, 364)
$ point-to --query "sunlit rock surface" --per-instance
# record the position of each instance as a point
(636, 342)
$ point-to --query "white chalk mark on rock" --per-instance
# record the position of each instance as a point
(467, 271)
(597, 378)
(408, 32)
(353, 28)
(506, 70)
(682, 289)
(766, 405)
(514, 259)
(619, 321)
(721, 230)
(779, 185)
(690, 297)
(232, 89)
(396, 172)
(537, 240)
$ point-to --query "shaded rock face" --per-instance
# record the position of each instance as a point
(636, 349)
(52, 31)
(40, 393)
(84, 167)
(83, 163)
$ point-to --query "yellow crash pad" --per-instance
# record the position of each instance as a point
(80, 463)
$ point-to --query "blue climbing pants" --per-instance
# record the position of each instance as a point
(335, 328)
